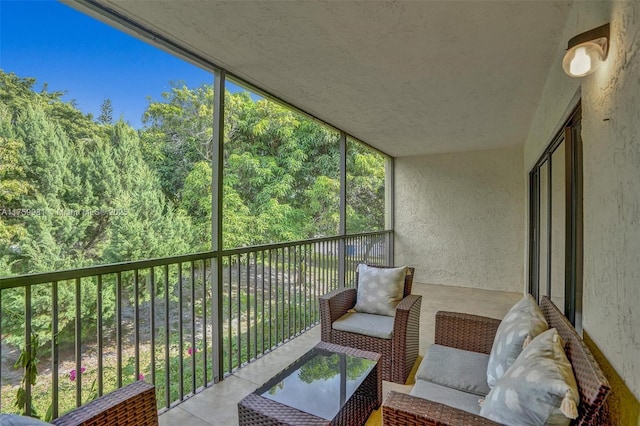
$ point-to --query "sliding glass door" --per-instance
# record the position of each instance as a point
(555, 221)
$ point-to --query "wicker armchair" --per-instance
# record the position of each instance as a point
(476, 333)
(398, 353)
(134, 404)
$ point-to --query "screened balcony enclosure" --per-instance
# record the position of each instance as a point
(439, 135)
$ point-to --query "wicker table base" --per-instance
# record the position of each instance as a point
(256, 409)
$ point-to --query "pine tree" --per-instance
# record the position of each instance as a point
(106, 112)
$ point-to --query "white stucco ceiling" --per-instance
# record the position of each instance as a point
(409, 78)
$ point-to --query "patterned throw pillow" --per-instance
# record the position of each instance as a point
(538, 389)
(379, 289)
(16, 420)
(524, 320)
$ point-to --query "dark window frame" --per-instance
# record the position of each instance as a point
(570, 134)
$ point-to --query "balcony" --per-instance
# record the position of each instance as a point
(472, 123)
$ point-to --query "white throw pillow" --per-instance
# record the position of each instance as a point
(380, 289)
(538, 389)
(524, 319)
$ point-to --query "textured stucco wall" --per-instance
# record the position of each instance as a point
(611, 204)
(459, 218)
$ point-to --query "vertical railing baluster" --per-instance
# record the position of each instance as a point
(205, 359)
(193, 327)
(334, 263)
(301, 294)
(99, 337)
(369, 254)
(295, 292)
(136, 323)
(303, 291)
(333, 268)
(180, 333)
(339, 242)
(337, 260)
(119, 328)
(270, 301)
(284, 291)
(239, 325)
(264, 304)
(277, 301)
(317, 271)
(323, 272)
(167, 325)
(230, 315)
(315, 282)
(329, 265)
(248, 338)
(78, 343)
(302, 302)
(311, 283)
(152, 321)
(54, 350)
(27, 346)
(255, 304)
(230, 310)
(305, 269)
(283, 318)
(1, 352)
(289, 291)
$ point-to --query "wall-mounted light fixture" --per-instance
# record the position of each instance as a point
(586, 51)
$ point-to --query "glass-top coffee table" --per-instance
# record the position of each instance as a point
(329, 385)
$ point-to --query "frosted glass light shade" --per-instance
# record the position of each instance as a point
(583, 59)
(586, 51)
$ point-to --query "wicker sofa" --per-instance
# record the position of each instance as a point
(475, 333)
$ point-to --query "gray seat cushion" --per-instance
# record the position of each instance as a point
(380, 326)
(453, 398)
(455, 368)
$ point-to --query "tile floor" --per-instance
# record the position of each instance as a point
(217, 405)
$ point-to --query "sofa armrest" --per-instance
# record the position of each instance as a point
(406, 337)
(465, 331)
(408, 304)
(135, 403)
(333, 305)
(406, 410)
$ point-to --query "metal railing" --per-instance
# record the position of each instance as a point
(156, 320)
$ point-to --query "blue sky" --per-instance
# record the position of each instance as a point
(87, 59)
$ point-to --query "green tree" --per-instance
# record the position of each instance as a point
(96, 200)
(365, 189)
(13, 183)
(178, 133)
(106, 112)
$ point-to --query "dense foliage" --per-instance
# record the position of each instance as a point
(77, 190)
